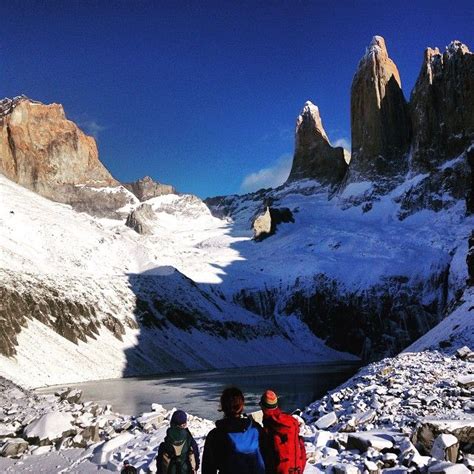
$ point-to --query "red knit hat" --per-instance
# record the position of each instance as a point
(269, 399)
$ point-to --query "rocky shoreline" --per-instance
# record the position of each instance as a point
(410, 413)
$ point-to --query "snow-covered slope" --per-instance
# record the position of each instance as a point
(356, 271)
(87, 298)
(455, 331)
(367, 271)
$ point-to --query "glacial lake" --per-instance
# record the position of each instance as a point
(198, 392)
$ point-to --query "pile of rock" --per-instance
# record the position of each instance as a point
(38, 425)
(407, 414)
(31, 423)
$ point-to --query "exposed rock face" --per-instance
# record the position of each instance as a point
(379, 115)
(470, 260)
(314, 156)
(43, 151)
(141, 218)
(470, 195)
(266, 224)
(146, 188)
(72, 315)
(442, 106)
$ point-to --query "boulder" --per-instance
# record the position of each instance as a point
(150, 421)
(380, 122)
(326, 421)
(146, 188)
(314, 156)
(464, 353)
(341, 468)
(466, 381)
(104, 452)
(49, 428)
(266, 224)
(365, 440)
(441, 106)
(141, 219)
(371, 467)
(445, 467)
(445, 448)
(87, 436)
(14, 447)
(429, 429)
(322, 438)
(70, 395)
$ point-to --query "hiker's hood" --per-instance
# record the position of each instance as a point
(234, 425)
(275, 417)
(176, 435)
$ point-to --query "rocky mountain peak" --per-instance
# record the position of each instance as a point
(379, 116)
(457, 46)
(310, 118)
(42, 150)
(377, 47)
(441, 106)
(314, 156)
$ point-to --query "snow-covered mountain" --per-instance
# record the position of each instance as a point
(361, 256)
(87, 298)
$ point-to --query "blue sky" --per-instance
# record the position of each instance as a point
(204, 95)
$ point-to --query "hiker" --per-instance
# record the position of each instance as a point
(128, 468)
(234, 445)
(285, 452)
(178, 453)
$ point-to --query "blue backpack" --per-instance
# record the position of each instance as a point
(245, 456)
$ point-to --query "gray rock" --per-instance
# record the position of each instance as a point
(345, 469)
(445, 448)
(429, 429)
(266, 224)
(71, 395)
(141, 219)
(14, 447)
(466, 381)
(448, 468)
(146, 188)
(326, 421)
(464, 353)
(364, 441)
(50, 428)
(371, 467)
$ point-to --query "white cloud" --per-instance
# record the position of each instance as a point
(344, 142)
(270, 177)
(92, 127)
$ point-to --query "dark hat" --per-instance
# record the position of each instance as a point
(269, 399)
(179, 418)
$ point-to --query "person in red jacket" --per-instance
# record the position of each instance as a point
(285, 452)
